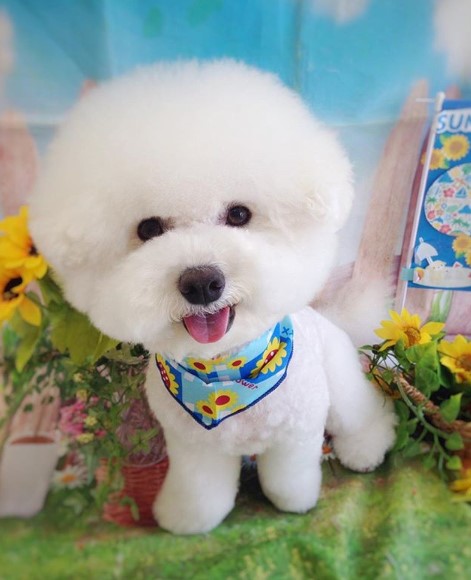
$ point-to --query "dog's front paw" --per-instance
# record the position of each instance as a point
(190, 515)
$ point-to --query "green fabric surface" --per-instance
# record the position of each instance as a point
(399, 522)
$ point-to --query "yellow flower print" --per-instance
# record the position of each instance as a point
(17, 250)
(13, 297)
(437, 160)
(467, 257)
(207, 409)
(456, 147)
(457, 357)
(406, 327)
(200, 365)
(168, 377)
(237, 363)
(462, 244)
(271, 358)
(223, 399)
(216, 402)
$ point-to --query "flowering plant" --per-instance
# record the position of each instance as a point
(104, 414)
(429, 378)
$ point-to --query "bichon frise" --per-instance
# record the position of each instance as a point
(194, 208)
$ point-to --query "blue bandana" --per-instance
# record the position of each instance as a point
(215, 389)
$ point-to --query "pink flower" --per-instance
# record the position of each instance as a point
(72, 417)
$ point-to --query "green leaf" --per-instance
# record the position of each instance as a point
(454, 442)
(72, 331)
(427, 366)
(427, 380)
(50, 290)
(413, 449)
(429, 461)
(402, 410)
(454, 463)
(402, 438)
(27, 345)
(412, 426)
(450, 409)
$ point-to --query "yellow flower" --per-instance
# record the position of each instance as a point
(406, 327)
(462, 244)
(463, 485)
(90, 421)
(271, 358)
(437, 161)
(457, 357)
(456, 147)
(467, 257)
(82, 394)
(85, 438)
(168, 377)
(13, 297)
(17, 250)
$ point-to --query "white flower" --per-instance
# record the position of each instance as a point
(70, 477)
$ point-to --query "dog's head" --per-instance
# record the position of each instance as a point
(191, 206)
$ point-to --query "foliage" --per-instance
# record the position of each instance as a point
(104, 414)
(429, 380)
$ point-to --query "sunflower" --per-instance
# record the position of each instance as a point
(456, 147)
(437, 160)
(457, 357)
(271, 358)
(406, 327)
(17, 250)
(13, 297)
(462, 244)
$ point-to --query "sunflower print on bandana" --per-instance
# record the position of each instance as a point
(168, 377)
(211, 390)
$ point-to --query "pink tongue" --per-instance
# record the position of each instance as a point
(208, 327)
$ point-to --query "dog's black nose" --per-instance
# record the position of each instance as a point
(202, 285)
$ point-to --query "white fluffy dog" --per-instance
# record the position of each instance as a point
(192, 207)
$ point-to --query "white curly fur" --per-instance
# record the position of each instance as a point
(183, 142)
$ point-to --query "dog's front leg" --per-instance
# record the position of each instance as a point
(199, 490)
(290, 474)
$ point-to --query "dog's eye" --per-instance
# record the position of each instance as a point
(238, 215)
(150, 228)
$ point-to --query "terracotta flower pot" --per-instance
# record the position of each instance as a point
(142, 484)
(26, 469)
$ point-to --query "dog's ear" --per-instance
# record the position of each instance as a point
(328, 184)
(330, 203)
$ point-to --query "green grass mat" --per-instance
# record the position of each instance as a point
(398, 522)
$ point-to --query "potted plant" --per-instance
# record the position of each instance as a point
(46, 341)
(428, 375)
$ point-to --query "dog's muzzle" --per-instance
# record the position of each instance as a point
(203, 285)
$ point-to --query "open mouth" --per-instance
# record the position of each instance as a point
(206, 327)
